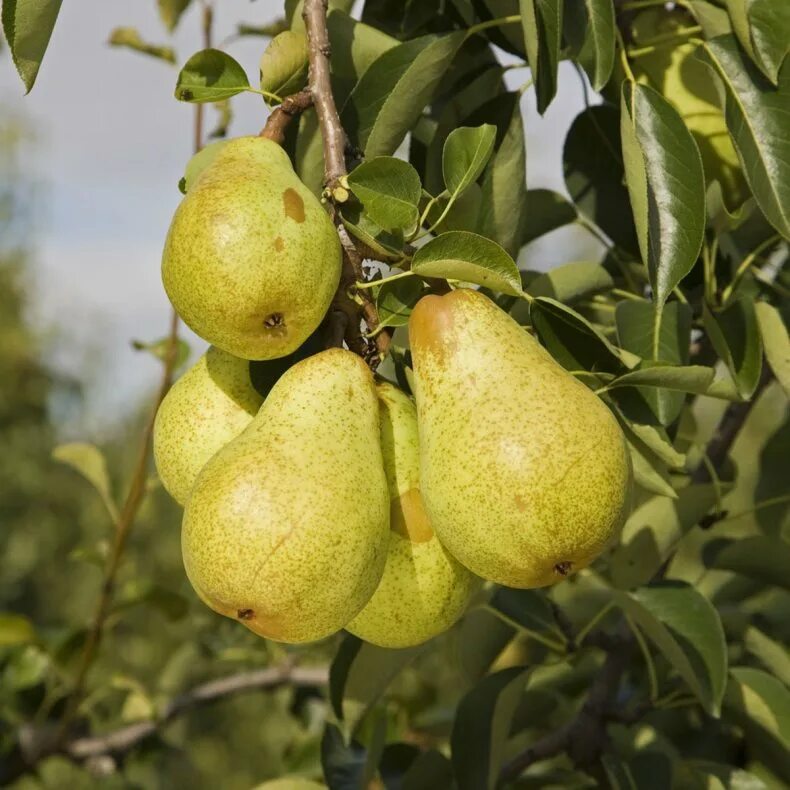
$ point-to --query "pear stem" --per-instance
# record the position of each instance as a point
(277, 123)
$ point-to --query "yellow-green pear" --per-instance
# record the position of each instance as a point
(525, 473)
(286, 527)
(211, 404)
(424, 590)
(251, 260)
(290, 783)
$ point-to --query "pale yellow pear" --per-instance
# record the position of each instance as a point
(286, 527)
(525, 473)
(252, 260)
(211, 404)
(424, 590)
(290, 783)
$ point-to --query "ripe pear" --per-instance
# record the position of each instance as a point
(525, 473)
(211, 404)
(424, 590)
(675, 72)
(290, 783)
(252, 260)
(286, 527)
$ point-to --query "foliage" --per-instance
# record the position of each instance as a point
(666, 663)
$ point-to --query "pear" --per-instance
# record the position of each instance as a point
(252, 260)
(286, 527)
(424, 590)
(525, 473)
(290, 783)
(211, 404)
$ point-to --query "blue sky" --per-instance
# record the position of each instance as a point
(109, 146)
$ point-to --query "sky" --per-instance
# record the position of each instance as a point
(108, 144)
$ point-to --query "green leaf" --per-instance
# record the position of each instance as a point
(572, 281)
(393, 92)
(714, 20)
(666, 182)
(704, 775)
(460, 255)
(389, 190)
(170, 12)
(89, 461)
(210, 75)
(482, 726)
(692, 378)
(776, 342)
(594, 174)
(284, 64)
(504, 181)
(735, 336)
(543, 212)
(129, 37)
(480, 637)
(763, 29)
(160, 349)
(15, 630)
(759, 557)
(27, 668)
(541, 21)
(653, 531)
(395, 300)
(386, 244)
(27, 26)
(756, 115)
(464, 157)
(646, 770)
(772, 655)
(762, 700)
(648, 474)
(530, 610)
(224, 117)
(658, 442)
(686, 628)
(359, 675)
(572, 340)
(589, 29)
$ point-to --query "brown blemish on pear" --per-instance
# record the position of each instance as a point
(279, 245)
(408, 517)
(294, 205)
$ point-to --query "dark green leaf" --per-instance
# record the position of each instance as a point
(129, 37)
(389, 190)
(776, 342)
(756, 115)
(504, 181)
(480, 637)
(170, 12)
(543, 212)
(572, 281)
(466, 153)
(735, 336)
(594, 174)
(210, 75)
(759, 557)
(430, 769)
(343, 764)
(763, 29)
(482, 726)
(686, 628)
(572, 340)
(667, 186)
(541, 21)
(284, 64)
(648, 770)
(359, 675)
(653, 531)
(28, 25)
(395, 300)
(589, 29)
(460, 255)
(392, 93)
(530, 610)
(691, 378)
(386, 244)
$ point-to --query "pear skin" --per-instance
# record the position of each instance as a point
(424, 590)
(525, 473)
(252, 260)
(211, 404)
(286, 527)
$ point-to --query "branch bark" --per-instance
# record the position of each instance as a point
(120, 741)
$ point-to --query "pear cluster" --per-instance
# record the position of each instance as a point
(316, 498)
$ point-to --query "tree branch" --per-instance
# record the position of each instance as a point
(277, 123)
(120, 741)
